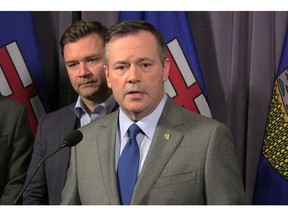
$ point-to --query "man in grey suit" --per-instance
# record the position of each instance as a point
(16, 144)
(82, 47)
(185, 158)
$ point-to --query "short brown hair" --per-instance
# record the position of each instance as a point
(133, 26)
(80, 29)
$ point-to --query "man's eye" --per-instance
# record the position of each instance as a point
(92, 60)
(145, 66)
(72, 65)
(120, 68)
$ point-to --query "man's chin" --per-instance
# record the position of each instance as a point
(89, 95)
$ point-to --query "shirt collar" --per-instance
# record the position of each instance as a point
(108, 106)
(147, 124)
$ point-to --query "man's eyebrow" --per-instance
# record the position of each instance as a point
(70, 61)
(144, 59)
(85, 58)
(120, 62)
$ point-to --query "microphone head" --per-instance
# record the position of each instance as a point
(72, 139)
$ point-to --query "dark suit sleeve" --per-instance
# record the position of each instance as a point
(36, 192)
(22, 140)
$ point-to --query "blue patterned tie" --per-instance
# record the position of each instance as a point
(128, 166)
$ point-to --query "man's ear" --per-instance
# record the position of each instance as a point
(166, 69)
(106, 70)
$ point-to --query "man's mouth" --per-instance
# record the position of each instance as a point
(135, 94)
(86, 83)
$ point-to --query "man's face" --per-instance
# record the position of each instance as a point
(135, 73)
(84, 63)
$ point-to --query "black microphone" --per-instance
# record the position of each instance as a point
(70, 140)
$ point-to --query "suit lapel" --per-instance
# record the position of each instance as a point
(164, 143)
(72, 120)
(106, 153)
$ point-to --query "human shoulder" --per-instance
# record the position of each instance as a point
(104, 123)
(180, 115)
(8, 105)
(5, 101)
(68, 109)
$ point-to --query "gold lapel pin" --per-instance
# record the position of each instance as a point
(167, 136)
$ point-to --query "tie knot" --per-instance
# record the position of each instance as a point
(133, 130)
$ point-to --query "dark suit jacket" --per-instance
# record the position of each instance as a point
(194, 164)
(47, 184)
(16, 143)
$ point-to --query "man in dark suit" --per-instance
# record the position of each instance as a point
(182, 157)
(82, 46)
(16, 144)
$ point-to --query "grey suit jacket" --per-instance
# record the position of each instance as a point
(196, 164)
(16, 143)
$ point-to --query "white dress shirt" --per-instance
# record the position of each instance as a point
(147, 125)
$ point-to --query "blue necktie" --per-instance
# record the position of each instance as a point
(128, 166)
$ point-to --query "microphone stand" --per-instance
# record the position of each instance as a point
(31, 177)
(70, 140)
